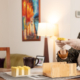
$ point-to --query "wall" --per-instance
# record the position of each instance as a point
(51, 8)
(56, 11)
(16, 44)
(75, 22)
(3, 26)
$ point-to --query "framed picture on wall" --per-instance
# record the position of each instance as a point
(30, 20)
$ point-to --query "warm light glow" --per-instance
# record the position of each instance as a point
(41, 29)
(50, 29)
(53, 18)
(46, 29)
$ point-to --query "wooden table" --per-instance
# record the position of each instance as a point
(7, 70)
(74, 79)
(4, 70)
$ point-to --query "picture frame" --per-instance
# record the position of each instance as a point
(41, 60)
(30, 20)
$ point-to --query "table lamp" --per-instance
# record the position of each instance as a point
(56, 34)
(46, 29)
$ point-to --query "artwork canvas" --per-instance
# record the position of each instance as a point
(30, 20)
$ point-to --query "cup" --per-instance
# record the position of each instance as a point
(30, 61)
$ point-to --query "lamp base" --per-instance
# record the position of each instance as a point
(46, 50)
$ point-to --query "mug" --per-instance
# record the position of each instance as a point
(31, 62)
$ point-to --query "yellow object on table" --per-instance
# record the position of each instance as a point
(61, 39)
(26, 70)
(15, 71)
(20, 71)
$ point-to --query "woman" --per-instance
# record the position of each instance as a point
(72, 54)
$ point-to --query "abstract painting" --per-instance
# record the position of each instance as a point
(30, 20)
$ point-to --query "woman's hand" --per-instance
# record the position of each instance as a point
(62, 53)
(74, 43)
(60, 44)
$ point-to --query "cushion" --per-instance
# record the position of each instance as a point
(2, 62)
(16, 60)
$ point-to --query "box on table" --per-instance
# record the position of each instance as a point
(59, 69)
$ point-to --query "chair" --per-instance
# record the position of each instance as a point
(7, 49)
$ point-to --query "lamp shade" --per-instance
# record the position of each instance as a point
(46, 29)
(56, 30)
(41, 29)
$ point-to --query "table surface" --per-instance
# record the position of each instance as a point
(4, 70)
(7, 70)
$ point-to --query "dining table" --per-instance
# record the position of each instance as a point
(8, 70)
(4, 70)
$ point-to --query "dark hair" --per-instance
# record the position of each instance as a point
(78, 35)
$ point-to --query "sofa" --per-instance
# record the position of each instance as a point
(15, 60)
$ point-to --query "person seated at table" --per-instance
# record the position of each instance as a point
(71, 55)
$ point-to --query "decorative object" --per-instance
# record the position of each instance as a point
(41, 60)
(30, 20)
(46, 29)
(77, 14)
(20, 71)
(59, 69)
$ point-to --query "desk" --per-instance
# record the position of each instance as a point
(7, 70)
(4, 70)
(78, 73)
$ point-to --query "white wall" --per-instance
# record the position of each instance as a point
(59, 11)
(16, 44)
(52, 8)
(3, 26)
(75, 22)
